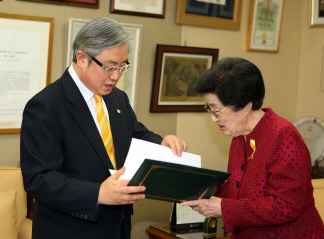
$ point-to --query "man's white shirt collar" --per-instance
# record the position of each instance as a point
(86, 93)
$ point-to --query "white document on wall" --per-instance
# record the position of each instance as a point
(141, 150)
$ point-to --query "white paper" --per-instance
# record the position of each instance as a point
(18, 73)
(24, 47)
(146, 6)
(112, 171)
(141, 150)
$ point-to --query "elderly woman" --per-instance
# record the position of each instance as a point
(269, 193)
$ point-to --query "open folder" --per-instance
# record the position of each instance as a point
(175, 182)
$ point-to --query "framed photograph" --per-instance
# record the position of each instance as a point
(265, 25)
(317, 13)
(176, 72)
(128, 81)
(222, 14)
(146, 8)
(26, 45)
(75, 3)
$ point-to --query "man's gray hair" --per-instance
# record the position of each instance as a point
(98, 35)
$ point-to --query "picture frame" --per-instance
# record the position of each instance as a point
(316, 13)
(128, 81)
(145, 8)
(74, 3)
(265, 26)
(25, 64)
(204, 13)
(177, 69)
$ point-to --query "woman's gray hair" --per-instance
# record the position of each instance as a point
(98, 35)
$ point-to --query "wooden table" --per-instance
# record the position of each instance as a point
(163, 231)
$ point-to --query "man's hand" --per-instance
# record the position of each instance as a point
(176, 144)
(207, 207)
(116, 192)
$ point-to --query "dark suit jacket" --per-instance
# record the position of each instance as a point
(64, 161)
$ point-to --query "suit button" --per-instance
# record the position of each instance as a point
(81, 215)
(121, 217)
(236, 229)
(86, 217)
(72, 214)
(77, 214)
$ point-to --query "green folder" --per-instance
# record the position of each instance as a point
(175, 182)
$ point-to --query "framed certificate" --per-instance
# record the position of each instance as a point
(146, 8)
(312, 131)
(26, 45)
(219, 14)
(265, 25)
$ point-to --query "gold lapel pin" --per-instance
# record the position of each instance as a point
(118, 111)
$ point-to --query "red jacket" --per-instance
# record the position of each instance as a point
(270, 195)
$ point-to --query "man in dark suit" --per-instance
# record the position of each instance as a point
(64, 161)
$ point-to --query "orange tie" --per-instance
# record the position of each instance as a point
(105, 130)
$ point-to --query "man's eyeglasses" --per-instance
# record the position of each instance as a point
(112, 69)
(214, 113)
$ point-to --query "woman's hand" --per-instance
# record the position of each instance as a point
(207, 207)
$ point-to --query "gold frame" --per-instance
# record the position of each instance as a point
(206, 21)
(252, 22)
(315, 20)
(49, 54)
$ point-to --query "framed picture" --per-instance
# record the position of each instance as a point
(265, 25)
(317, 13)
(222, 14)
(146, 8)
(128, 81)
(177, 69)
(26, 45)
(76, 3)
